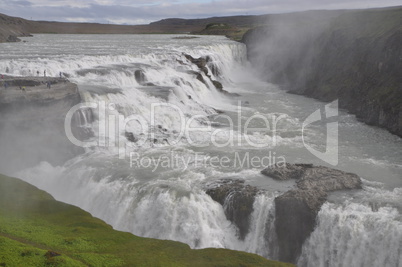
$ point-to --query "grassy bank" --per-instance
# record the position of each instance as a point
(36, 230)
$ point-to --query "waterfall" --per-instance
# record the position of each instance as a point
(262, 238)
(355, 234)
(125, 81)
(161, 208)
(162, 204)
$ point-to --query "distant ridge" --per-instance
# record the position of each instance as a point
(17, 27)
(13, 27)
(238, 21)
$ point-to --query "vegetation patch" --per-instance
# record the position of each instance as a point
(217, 26)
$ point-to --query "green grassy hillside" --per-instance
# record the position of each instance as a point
(36, 230)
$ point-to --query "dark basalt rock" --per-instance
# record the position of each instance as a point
(297, 209)
(237, 200)
(218, 85)
(295, 215)
(130, 137)
(215, 71)
(311, 177)
(201, 78)
(201, 64)
(286, 173)
(220, 89)
(13, 39)
(139, 76)
(148, 84)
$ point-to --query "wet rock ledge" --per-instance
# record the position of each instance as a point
(295, 210)
(36, 90)
(32, 121)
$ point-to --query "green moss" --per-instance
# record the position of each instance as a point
(217, 26)
(16, 253)
(36, 230)
(238, 34)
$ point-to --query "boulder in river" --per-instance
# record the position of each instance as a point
(237, 199)
(139, 76)
(297, 209)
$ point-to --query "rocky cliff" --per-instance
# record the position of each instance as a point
(297, 209)
(354, 56)
(32, 114)
(11, 28)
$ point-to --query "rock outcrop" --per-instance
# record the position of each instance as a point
(32, 118)
(11, 28)
(352, 56)
(13, 39)
(139, 76)
(237, 200)
(35, 90)
(296, 210)
(201, 63)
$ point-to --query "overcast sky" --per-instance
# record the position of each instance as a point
(143, 11)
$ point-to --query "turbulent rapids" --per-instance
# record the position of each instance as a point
(145, 172)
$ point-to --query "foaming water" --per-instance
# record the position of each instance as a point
(353, 234)
(169, 201)
(165, 207)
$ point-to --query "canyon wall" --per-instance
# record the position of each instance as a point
(355, 56)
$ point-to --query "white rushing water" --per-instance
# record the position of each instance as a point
(357, 232)
(138, 193)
